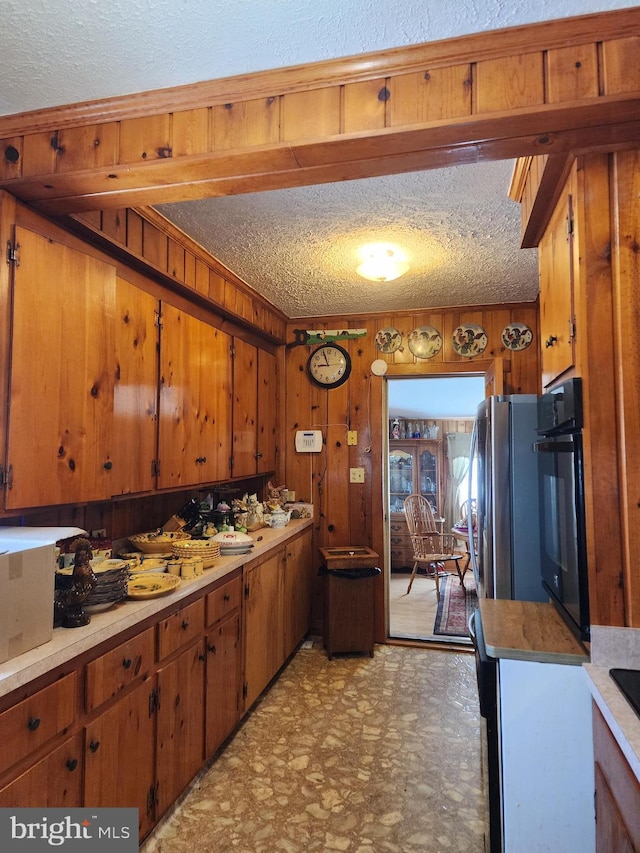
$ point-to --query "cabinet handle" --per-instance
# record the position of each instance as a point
(258, 455)
(33, 723)
(551, 341)
(185, 624)
(94, 746)
(202, 657)
(72, 763)
(203, 459)
(108, 466)
(126, 663)
(226, 597)
(212, 648)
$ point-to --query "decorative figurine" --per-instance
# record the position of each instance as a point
(68, 601)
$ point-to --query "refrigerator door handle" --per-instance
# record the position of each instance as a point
(567, 445)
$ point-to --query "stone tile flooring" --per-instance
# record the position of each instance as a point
(357, 754)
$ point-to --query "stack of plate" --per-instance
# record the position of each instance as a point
(112, 584)
(232, 543)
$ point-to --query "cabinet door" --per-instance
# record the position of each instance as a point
(223, 681)
(245, 408)
(263, 642)
(297, 591)
(180, 724)
(179, 432)
(267, 412)
(556, 293)
(136, 390)
(195, 401)
(61, 415)
(119, 753)
(215, 404)
(401, 476)
(54, 782)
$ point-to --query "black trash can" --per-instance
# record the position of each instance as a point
(349, 585)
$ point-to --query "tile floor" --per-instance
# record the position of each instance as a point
(357, 754)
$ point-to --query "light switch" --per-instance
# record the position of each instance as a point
(352, 437)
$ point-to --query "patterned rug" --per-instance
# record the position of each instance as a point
(455, 605)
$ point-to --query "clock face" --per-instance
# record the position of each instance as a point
(329, 366)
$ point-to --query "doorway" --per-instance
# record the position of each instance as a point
(430, 421)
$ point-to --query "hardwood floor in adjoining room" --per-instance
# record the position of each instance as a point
(412, 616)
(354, 754)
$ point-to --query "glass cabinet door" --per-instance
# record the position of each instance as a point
(400, 478)
(428, 478)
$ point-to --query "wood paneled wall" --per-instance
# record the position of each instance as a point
(352, 513)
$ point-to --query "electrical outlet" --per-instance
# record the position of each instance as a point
(352, 437)
(356, 475)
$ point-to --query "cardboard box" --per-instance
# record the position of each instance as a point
(27, 576)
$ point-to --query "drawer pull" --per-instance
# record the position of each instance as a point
(212, 648)
(202, 657)
(94, 745)
(126, 663)
(227, 597)
(33, 723)
(551, 341)
(185, 624)
(72, 763)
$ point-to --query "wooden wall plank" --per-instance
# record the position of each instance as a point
(190, 134)
(145, 139)
(38, 154)
(364, 106)
(88, 147)
(176, 260)
(572, 73)
(509, 83)
(114, 225)
(621, 69)
(246, 123)
(311, 114)
(432, 95)
(155, 246)
(11, 160)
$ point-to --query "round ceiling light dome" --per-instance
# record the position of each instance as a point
(382, 262)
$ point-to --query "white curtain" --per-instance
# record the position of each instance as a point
(457, 449)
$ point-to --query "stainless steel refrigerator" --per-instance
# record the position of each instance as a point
(508, 559)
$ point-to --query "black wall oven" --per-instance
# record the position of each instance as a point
(562, 516)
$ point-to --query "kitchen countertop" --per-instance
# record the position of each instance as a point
(529, 630)
(616, 647)
(68, 643)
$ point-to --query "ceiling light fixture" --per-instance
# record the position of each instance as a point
(382, 262)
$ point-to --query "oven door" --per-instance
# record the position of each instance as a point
(487, 676)
(564, 565)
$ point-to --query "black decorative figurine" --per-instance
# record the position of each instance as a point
(68, 601)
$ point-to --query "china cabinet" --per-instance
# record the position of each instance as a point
(415, 467)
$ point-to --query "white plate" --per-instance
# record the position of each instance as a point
(517, 336)
(425, 342)
(469, 339)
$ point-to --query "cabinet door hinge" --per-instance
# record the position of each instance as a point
(155, 467)
(231, 463)
(569, 226)
(232, 350)
(152, 799)
(244, 690)
(246, 590)
(157, 319)
(154, 701)
(13, 253)
(6, 476)
(572, 329)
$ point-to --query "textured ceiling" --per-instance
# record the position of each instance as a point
(296, 246)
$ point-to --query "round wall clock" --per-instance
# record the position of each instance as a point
(329, 366)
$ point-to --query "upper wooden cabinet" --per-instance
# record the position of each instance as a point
(254, 410)
(60, 433)
(135, 401)
(557, 317)
(195, 401)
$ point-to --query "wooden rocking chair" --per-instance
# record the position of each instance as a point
(431, 548)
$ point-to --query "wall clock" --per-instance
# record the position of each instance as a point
(329, 366)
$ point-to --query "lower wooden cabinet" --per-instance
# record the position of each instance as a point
(617, 793)
(135, 723)
(119, 750)
(180, 710)
(223, 681)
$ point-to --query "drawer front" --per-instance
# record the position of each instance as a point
(180, 628)
(34, 721)
(113, 671)
(223, 600)
(54, 782)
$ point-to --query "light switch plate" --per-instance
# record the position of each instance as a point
(352, 437)
(356, 475)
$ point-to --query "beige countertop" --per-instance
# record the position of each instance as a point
(616, 647)
(68, 643)
(529, 630)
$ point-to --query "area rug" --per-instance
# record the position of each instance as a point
(455, 605)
